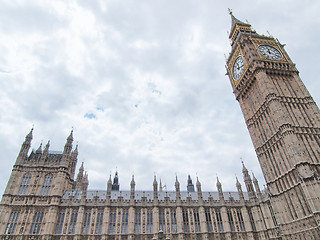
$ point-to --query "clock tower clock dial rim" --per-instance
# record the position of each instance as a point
(272, 54)
(237, 71)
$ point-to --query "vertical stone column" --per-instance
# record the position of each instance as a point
(79, 223)
(155, 215)
(51, 220)
(225, 221)
(203, 223)
(106, 221)
(5, 214)
(247, 223)
(131, 222)
(179, 223)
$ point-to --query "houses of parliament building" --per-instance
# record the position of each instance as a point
(45, 200)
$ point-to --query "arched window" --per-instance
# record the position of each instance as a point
(24, 184)
(46, 185)
(12, 223)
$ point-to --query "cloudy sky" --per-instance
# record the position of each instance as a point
(142, 83)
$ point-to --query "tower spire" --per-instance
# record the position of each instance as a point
(68, 145)
(155, 188)
(219, 186)
(248, 181)
(25, 147)
(190, 186)
(238, 27)
(115, 185)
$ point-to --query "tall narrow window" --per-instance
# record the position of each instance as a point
(86, 222)
(241, 222)
(253, 225)
(173, 221)
(149, 221)
(137, 226)
(73, 221)
(60, 222)
(36, 222)
(185, 221)
(219, 220)
(162, 220)
(12, 223)
(208, 220)
(112, 225)
(124, 228)
(272, 215)
(99, 222)
(196, 220)
(230, 219)
(46, 185)
(24, 184)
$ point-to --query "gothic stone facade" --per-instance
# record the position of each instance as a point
(284, 124)
(42, 199)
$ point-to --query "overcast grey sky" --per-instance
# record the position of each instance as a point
(141, 82)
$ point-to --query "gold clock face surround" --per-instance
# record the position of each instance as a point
(238, 68)
(270, 52)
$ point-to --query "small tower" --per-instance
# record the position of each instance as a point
(256, 185)
(198, 184)
(85, 182)
(219, 187)
(109, 186)
(177, 186)
(239, 189)
(115, 185)
(190, 186)
(45, 152)
(23, 154)
(68, 145)
(73, 161)
(160, 186)
(39, 150)
(155, 188)
(132, 188)
(248, 182)
(79, 178)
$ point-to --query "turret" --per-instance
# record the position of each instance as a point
(248, 182)
(132, 188)
(160, 186)
(239, 189)
(155, 188)
(256, 185)
(45, 152)
(177, 185)
(219, 187)
(73, 161)
(39, 150)
(85, 182)
(109, 186)
(190, 186)
(198, 184)
(23, 154)
(68, 145)
(115, 185)
(79, 178)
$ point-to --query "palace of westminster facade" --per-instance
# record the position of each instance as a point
(42, 199)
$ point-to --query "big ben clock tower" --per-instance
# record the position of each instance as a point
(284, 125)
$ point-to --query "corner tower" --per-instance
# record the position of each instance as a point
(284, 125)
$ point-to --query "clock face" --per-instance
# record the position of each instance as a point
(238, 68)
(270, 52)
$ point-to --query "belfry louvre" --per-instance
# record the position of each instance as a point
(44, 200)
